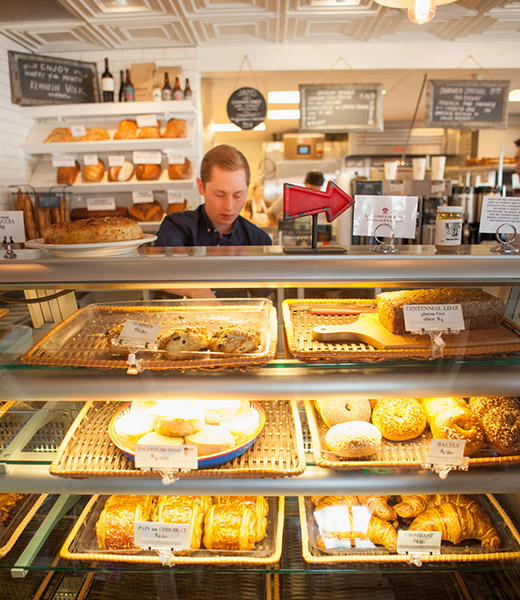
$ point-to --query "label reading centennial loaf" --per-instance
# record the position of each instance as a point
(418, 542)
(433, 317)
(165, 457)
(162, 535)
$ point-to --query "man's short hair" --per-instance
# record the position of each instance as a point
(517, 142)
(225, 157)
(315, 178)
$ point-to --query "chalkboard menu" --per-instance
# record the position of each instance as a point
(246, 108)
(341, 107)
(369, 188)
(467, 104)
(49, 80)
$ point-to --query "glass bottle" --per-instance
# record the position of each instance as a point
(156, 89)
(448, 228)
(166, 90)
(187, 90)
(177, 91)
(107, 84)
(129, 88)
(121, 95)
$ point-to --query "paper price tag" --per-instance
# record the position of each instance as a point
(101, 203)
(418, 542)
(397, 187)
(11, 225)
(446, 452)
(162, 535)
(165, 457)
(147, 158)
(433, 317)
(400, 212)
(146, 121)
(175, 197)
(497, 210)
(175, 158)
(116, 160)
(63, 160)
(142, 197)
(90, 159)
(78, 130)
(140, 332)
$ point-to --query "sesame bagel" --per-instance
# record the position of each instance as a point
(399, 419)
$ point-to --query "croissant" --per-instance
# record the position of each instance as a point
(259, 506)
(229, 527)
(93, 173)
(411, 505)
(127, 130)
(378, 506)
(320, 501)
(7, 503)
(457, 523)
(458, 500)
(115, 526)
(179, 509)
(432, 406)
(175, 128)
(148, 172)
(382, 532)
(149, 132)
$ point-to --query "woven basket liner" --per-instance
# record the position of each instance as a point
(9, 424)
(299, 323)
(3, 312)
(498, 517)
(71, 553)
(10, 532)
(87, 451)
(90, 342)
(410, 454)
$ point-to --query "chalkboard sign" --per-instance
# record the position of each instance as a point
(369, 188)
(49, 80)
(341, 107)
(467, 104)
(246, 108)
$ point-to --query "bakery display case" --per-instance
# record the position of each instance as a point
(55, 437)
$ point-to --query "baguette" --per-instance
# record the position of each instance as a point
(29, 218)
(43, 215)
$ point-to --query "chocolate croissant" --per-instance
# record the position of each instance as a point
(229, 527)
(259, 506)
(182, 509)
(115, 526)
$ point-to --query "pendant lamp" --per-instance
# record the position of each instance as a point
(419, 11)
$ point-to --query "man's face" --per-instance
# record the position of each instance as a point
(224, 196)
(517, 157)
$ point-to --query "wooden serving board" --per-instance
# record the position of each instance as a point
(367, 329)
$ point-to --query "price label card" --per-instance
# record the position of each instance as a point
(12, 226)
(497, 210)
(142, 197)
(78, 130)
(166, 457)
(400, 212)
(162, 535)
(418, 542)
(146, 121)
(175, 158)
(147, 158)
(446, 452)
(397, 187)
(49, 200)
(137, 331)
(437, 187)
(90, 159)
(101, 203)
(175, 197)
(433, 317)
(116, 160)
(63, 160)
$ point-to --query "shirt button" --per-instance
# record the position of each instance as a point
(209, 229)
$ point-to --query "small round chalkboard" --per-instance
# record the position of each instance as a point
(246, 108)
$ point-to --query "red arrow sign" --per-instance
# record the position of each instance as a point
(300, 201)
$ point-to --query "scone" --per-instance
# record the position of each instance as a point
(211, 439)
(184, 343)
(235, 339)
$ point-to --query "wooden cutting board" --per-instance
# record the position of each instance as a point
(367, 329)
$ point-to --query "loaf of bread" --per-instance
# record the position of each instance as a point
(93, 231)
(176, 207)
(96, 134)
(67, 175)
(181, 170)
(146, 211)
(148, 172)
(123, 173)
(175, 128)
(480, 309)
(149, 132)
(84, 213)
(60, 134)
(127, 130)
(93, 173)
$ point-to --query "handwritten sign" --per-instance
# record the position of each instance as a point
(146, 121)
(418, 542)
(446, 452)
(399, 212)
(162, 535)
(433, 317)
(63, 160)
(90, 159)
(165, 457)
(116, 160)
(50, 80)
(137, 331)
(498, 210)
(175, 197)
(142, 197)
(108, 203)
(141, 157)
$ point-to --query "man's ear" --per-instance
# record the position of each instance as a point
(200, 186)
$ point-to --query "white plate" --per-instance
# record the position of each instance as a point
(90, 250)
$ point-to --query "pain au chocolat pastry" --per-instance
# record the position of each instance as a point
(182, 509)
(115, 526)
(229, 527)
(259, 506)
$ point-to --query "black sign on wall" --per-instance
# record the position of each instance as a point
(369, 188)
(341, 107)
(246, 108)
(49, 80)
(467, 104)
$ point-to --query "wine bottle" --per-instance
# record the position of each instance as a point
(121, 95)
(177, 91)
(187, 90)
(107, 84)
(129, 88)
(166, 90)
(156, 89)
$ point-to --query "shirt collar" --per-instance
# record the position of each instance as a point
(208, 224)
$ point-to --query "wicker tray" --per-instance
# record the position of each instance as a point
(3, 312)
(299, 322)
(467, 551)
(410, 454)
(81, 543)
(11, 530)
(82, 340)
(87, 451)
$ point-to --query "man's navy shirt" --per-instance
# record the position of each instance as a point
(194, 228)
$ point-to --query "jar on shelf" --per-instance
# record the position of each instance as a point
(448, 228)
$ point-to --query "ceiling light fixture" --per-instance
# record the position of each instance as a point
(282, 115)
(419, 11)
(289, 97)
(514, 95)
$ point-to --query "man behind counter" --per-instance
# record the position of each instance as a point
(224, 181)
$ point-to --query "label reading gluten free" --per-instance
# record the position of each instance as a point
(108, 203)
(418, 542)
(165, 457)
(153, 157)
(446, 452)
(78, 130)
(162, 535)
(433, 317)
(63, 160)
(142, 197)
(142, 333)
(146, 121)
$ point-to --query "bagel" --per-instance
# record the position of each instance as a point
(354, 439)
(339, 410)
(502, 430)
(459, 424)
(432, 406)
(480, 405)
(399, 419)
